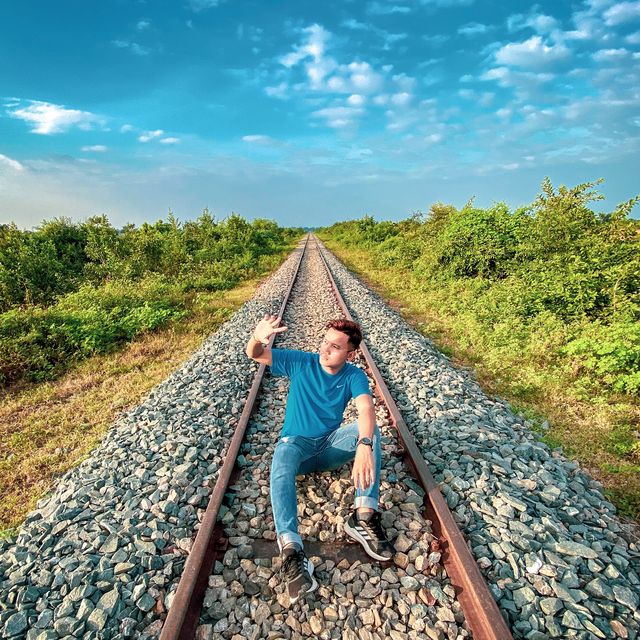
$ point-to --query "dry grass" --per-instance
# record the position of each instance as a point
(47, 428)
(585, 431)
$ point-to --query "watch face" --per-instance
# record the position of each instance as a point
(365, 441)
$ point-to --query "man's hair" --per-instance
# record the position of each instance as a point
(349, 328)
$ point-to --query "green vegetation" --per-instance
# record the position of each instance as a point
(543, 301)
(69, 291)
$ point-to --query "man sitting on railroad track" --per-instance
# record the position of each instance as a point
(321, 386)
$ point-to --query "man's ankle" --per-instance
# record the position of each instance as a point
(363, 510)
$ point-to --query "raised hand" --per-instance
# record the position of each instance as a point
(267, 327)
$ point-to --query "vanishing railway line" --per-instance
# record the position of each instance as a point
(111, 553)
(372, 601)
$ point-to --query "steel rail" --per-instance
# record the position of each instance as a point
(183, 615)
(480, 609)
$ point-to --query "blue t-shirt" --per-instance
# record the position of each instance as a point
(316, 399)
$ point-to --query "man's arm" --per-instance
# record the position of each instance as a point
(366, 415)
(362, 473)
(261, 334)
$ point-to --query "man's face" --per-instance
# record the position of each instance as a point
(335, 349)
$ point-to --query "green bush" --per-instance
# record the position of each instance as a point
(72, 290)
(553, 280)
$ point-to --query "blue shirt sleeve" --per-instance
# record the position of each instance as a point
(288, 362)
(359, 383)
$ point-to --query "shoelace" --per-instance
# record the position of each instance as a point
(374, 527)
(294, 565)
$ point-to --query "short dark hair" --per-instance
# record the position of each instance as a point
(351, 329)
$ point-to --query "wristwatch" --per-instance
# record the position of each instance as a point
(366, 441)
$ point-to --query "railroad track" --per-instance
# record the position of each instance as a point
(102, 556)
(433, 570)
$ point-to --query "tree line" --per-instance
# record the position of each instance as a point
(68, 290)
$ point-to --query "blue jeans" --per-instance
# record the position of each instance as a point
(298, 455)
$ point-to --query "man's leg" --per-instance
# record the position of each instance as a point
(297, 569)
(290, 452)
(340, 448)
(364, 525)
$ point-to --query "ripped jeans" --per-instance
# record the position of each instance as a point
(298, 455)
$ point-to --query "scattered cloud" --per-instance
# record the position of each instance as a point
(97, 148)
(47, 118)
(134, 47)
(258, 139)
(142, 25)
(169, 140)
(446, 3)
(436, 40)
(472, 29)
(278, 91)
(11, 163)
(202, 5)
(540, 23)
(383, 8)
(355, 25)
(338, 117)
(531, 53)
(126, 128)
(621, 12)
(608, 55)
(150, 135)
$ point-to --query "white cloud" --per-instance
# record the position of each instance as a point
(436, 40)
(633, 38)
(134, 47)
(401, 99)
(279, 91)
(447, 3)
(314, 46)
(531, 53)
(472, 29)
(355, 25)
(169, 140)
(150, 135)
(97, 148)
(539, 22)
(338, 117)
(356, 100)
(609, 55)
(258, 139)
(201, 5)
(142, 25)
(11, 163)
(125, 128)
(621, 12)
(434, 138)
(383, 9)
(47, 118)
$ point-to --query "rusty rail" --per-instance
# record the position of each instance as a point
(182, 619)
(480, 609)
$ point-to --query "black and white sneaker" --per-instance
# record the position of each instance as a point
(297, 570)
(366, 529)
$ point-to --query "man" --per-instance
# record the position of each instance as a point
(321, 386)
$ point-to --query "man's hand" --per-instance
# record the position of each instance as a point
(267, 327)
(363, 472)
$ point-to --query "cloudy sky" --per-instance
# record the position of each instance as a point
(309, 112)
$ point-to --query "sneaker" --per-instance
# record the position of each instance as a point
(366, 529)
(297, 570)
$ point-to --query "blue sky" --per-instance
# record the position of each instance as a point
(308, 112)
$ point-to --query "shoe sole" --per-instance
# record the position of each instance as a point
(353, 533)
(314, 586)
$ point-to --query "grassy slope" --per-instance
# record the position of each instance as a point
(595, 435)
(47, 428)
